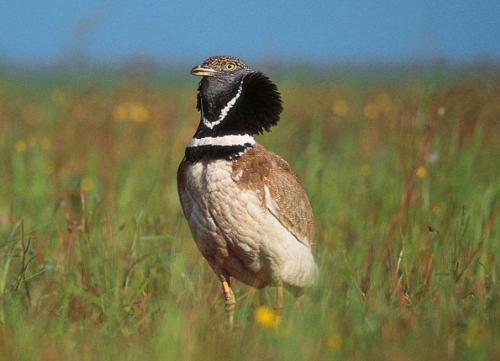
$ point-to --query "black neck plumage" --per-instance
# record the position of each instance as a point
(230, 118)
(224, 147)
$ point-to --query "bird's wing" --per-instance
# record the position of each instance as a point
(283, 194)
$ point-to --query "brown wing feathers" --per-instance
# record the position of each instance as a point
(259, 168)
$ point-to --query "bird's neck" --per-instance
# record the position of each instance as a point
(231, 116)
(222, 133)
(216, 105)
(230, 146)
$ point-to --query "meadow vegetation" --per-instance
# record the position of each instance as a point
(97, 262)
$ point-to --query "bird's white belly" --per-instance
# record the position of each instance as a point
(228, 220)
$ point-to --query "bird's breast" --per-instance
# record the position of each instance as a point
(223, 217)
(229, 218)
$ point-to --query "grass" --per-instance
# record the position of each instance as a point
(97, 263)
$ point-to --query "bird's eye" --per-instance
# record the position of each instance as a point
(230, 66)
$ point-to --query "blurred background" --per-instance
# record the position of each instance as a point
(296, 31)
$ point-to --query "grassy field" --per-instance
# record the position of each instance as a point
(97, 262)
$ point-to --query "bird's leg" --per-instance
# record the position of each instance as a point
(296, 303)
(278, 307)
(229, 300)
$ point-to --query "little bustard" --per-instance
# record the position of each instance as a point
(245, 207)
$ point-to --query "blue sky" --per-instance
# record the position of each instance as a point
(285, 31)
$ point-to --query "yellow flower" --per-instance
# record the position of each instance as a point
(365, 170)
(139, 113)
(335, 341)
(86, 184)
(20, 146)
(477, 335)
(381, 104)
(131, 111)
(421, 172)
(340, 107)
(435, 209)
(266, 317)
(120, 113)
(370, 111)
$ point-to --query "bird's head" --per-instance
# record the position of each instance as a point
(220, 67)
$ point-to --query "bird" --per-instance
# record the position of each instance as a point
(246, 208)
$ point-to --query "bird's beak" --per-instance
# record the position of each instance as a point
(201, 71)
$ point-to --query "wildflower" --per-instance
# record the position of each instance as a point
(365, 170)
(335, 341)
(86, 184)
(120, 113)
(20, 146)
(370, 111)
(139, 113)
(477, 335)
(421, 172)
(435, 209)
(266, 317)
(340, 107)
(131, 111)
(381, 104)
